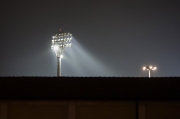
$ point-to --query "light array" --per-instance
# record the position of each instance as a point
(60, 42)
(149, 68)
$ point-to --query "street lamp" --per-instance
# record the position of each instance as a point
(149, 68)
(60, 41)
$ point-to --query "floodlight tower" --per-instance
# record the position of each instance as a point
(149, 69)
(60, 41)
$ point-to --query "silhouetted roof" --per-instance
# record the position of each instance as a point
(89, 88)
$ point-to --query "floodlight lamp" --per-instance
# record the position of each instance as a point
(149, 69)
(144, 68)
(154, 68)
(56, 48)
(60, 41)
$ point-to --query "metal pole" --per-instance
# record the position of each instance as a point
(60, 66)
(58, 69)
(149, 74)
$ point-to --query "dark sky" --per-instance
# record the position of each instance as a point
(111, 38)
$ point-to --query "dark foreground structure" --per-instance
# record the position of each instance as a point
(89, 98)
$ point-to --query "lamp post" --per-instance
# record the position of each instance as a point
(60, 41)
(149, 69)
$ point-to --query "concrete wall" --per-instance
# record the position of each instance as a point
(163, 110)
(106, 111)
(37, 111)
(89, 110)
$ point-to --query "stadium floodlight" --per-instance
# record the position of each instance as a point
(60, 41)
(149, 68)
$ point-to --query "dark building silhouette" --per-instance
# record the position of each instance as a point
(89, 98)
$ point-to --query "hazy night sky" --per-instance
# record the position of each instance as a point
(111, 38)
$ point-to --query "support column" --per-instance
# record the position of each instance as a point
(149, 73)
(71, 111)
(58, 67)
(141, 111)
(3, 111)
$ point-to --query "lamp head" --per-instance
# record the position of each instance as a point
(56, 48)
(154, 68)
(144, 68)
(150, 67)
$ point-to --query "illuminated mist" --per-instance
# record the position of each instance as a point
(78, 62)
